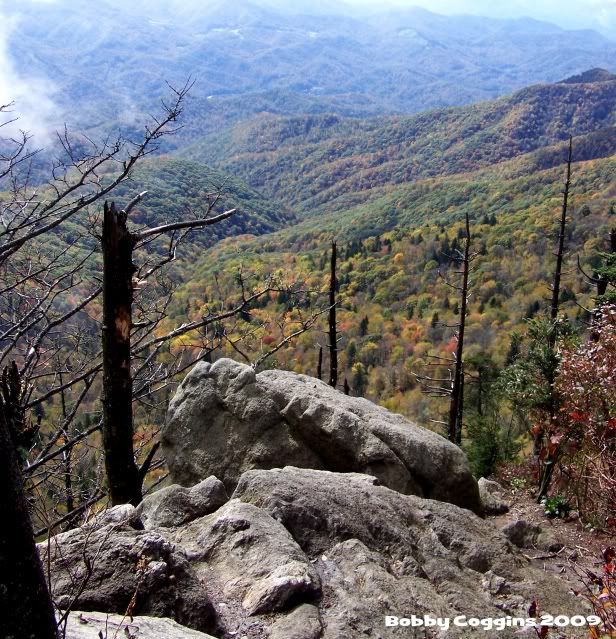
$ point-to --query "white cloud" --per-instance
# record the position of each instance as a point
(31, 95)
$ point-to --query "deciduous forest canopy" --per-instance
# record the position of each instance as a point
(418, 208)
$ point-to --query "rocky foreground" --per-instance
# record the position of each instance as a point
(296, 552)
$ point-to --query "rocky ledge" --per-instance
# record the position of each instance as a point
(297, 554)
(340, 514)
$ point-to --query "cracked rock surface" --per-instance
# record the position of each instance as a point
(307, 554)
(225, 419)
(88, 625)
(340, 514)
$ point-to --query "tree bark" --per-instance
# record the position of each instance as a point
(547, 465)
(320, 364)
(561, 240)
(118, 270)
(460, 409)
(24, 597)
(333, 333)
(454, 424)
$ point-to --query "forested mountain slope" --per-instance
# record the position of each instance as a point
(247, 58)
(312, 161)
(180, 189)
(395, 305)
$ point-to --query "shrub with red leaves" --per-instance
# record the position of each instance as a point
(587, 381)
(600, 591)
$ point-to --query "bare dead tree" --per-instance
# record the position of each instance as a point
(452, 386)
(333, 328)
(118, 271)
(78, 178)
(547, 460)
(457, 389)
(560, 251)
(50, 311)
(131, 347)
(118, 245)
(27, 605)
(49, 291)
(320, 363)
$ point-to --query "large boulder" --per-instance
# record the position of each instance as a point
(116, 568)
(225, 419)
(307, 554)
(492, 496)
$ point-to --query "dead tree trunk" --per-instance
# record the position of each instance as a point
(124, 478)
(118, 270)
(28, 609)
(333, 333)
(320, 364)
(547, 465)
(454, 424)
(561, 241)
(460, 409)
(603, 281)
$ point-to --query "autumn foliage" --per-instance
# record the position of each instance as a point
(587, 383)
(600, 592)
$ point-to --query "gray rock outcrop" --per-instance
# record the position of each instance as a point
(307, 554)
(116, 568)
(88, 625)
(122, 514)
(341, 514)
(492, 496)
(250, 557)
(175, 505)
(225, 419)
(304, 622)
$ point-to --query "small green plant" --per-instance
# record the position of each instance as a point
(484, 447)
(556, 506)
(518, 484)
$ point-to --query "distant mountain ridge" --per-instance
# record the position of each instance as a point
(248, 59)
(311, 161)
(592, 75)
